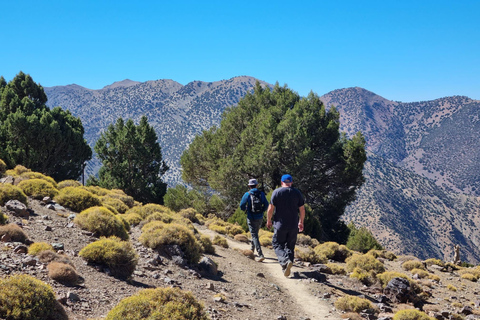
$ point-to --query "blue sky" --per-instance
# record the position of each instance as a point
(401, 50)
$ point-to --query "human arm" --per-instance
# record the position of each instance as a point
(244, 202)
(271, 207)
(302, 218)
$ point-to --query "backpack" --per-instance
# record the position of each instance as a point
(256, 202)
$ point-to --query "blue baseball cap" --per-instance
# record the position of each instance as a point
(287, 178)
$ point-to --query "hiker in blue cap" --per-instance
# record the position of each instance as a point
(287, 202)
(255, 203)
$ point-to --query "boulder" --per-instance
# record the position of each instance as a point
(398, 290)
(18, 208)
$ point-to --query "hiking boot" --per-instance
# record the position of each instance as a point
(288, 267)
(260, 258)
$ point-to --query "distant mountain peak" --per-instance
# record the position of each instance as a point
(123, 83)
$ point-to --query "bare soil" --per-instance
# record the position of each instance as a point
(252, 290)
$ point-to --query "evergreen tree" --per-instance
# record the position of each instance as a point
(272, 132)
(44, 140)
(132, 160)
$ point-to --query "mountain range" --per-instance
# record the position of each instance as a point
(422, 174)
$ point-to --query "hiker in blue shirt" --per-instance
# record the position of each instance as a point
(289, 207)
(255, 203)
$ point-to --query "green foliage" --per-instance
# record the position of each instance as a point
(156, 234)
(132, 160)
(119, 256)
(11, 192)
(333, 251)
(207, 244)
(37, 247)
(15, 233)
(68, 183)
(353, 304)
(364, 261)
(180, 197)
(102, 222)
(159, 304)
(240, 218)
(218, 240)
(3, 167)
(77, 198)
(44, 140)
(411, 314)
(3, 219)
(23, 297)
(361, 239)
(38, 188)
(274, 131)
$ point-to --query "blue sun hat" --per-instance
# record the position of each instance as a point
(287, 178)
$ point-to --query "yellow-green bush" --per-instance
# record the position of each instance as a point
(150, 208)
(220, 241)
(411, 314)
(17, 171)
(364, 276)
(77, 199)
(122, 196)
(433, 261)
(349, 303)
(469, 276)
(68, 183)
(62, 272)
(37, 247)
(413, 264)
(96, 190)
(3, 167)
(473, 271)
(421, 273)
(156, 234)
(451, 287)
(382, 254)
(158, 304)
(200, 219)
(11, 192)
(207, 244)
(38, 175)
(265, 237)
(38, 188)
(364, 261)
(119, 256)
(165, 217)
(217, 228)
(333, 251)
(336, 269)
(102, 222)
(15, 233)
(386, 276)
(309, 255)
(133, 219)
(23, 297)
(189, 213)
(3, 219)
(117, 204)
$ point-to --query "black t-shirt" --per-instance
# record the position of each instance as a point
(286, 200)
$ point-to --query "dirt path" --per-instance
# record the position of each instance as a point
(312, 306)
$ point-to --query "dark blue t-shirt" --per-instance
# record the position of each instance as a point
(286, 200)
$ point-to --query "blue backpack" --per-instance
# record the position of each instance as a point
(256, 203)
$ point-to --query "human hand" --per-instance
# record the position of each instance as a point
(300, 226)
(269, 224)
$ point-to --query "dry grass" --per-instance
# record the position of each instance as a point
(62, 272)
(15, 233)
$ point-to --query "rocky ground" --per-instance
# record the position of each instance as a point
(248, 289)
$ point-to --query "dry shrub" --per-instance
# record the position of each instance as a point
(412, 264)
(37, 247)
(309, 255)
(475, 272)
(469, 276)
(333, 251)
(421, 273)
(68, 183)
(382, 254)
(411, 314)
(62, 272)
(159, 304)
(38, 188)
(77, 198)
(220, 241)
(265, 237)
(305, 240)
(432, 261)
(96, 190)
(352, 316)
(17, 171)
(336, 269)
(200, 219)
(451, 287)
(247, 253)
(11, 192)
(102, 222)
(122, 196)
(3, 219)
(189, 213)
(15, 233)
(364, 276)
(48, 256)
(133, 219)
(349, 303)
(434, 277)
(3, 167)
(364, 261)
(217, 228)
(37, 175)
(241, 237)
(119, 256)
(24, 297)
(165, 217)
(117, 204)
(150, 208)
(157, 234)
(206, 243)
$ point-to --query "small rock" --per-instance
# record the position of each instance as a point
(72, 296)
(210, 286)
(58, 246)
(45, 217)
(261, 275)
(326, 295)
(281, 318)
(47, 200)
(466, 310)
(18, 208)
(20, 249)
(218, 298)
(48, 228)
(50, 207)
(29, 261)
(72, 216)
(208, 266)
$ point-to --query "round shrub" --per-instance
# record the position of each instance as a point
(364, 261)
(433, 261)
(3, 218)
(353, 304)
(336, 269)
(3, 167)
(68, 183)
(48, 256)
(119, 206)
(308, 255)
(122, 196)
(382, 254)
(17, 171)
(150, 208)
(159, 304)
(207, 244)
(102, 222)
(38, 188)
(24, 297)
(77, 199)
(412, 264)
(411, 314)
(37, 247)
(119, 256)
(333, 251)
(133, 219)
(96, 190)
(11, 192)
(220, 241)
(15, 233)
(38, 175)
(62, 272)
(157, 234)
(189, 214)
